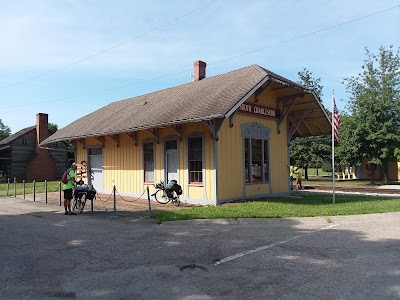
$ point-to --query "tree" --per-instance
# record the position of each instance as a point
(5, 131)
(53, 127)
(305, 152)
(375, 108)
(307, 79)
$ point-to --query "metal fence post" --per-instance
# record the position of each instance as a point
(23, 187)
(148, 200)
(59, 191)
(8, 187)
(34, 190)
(45, 188)
(115, 201)
(15, 187)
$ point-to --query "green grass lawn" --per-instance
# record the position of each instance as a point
(52, 186)
(284, 207)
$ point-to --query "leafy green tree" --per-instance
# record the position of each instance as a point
(347, 151)
(307, 79)
(53, 127)
(5, 131)
(375, 106)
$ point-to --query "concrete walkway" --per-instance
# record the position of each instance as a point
(47, 255)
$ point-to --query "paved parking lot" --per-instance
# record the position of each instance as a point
(47, 255)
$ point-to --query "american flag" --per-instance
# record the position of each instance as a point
(336, 120)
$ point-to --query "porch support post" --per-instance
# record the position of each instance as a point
(296, 119)
(213, 126)
(287, 104)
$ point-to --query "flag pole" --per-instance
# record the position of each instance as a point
(333, 146)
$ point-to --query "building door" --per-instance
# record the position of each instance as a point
(96, 168)
(171, 160)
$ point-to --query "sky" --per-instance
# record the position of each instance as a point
(68, 58)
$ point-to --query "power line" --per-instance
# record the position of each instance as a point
(215, 62)
(111, 48)
(309, 33)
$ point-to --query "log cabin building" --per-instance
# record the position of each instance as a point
(222, 138)
(22, 158)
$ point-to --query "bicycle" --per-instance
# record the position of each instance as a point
(78, 204)
(169, 193)
(82, 192)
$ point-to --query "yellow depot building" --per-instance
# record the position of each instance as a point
(222, 138)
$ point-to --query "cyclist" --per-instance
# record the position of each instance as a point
(67, 188)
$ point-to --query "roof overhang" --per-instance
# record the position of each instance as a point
(306, 115)
(145, 127)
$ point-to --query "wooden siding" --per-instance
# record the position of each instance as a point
(123, 165)
(231, 181)
(60, 158)
(21, 154)
(393, 171)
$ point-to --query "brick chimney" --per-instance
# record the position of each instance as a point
(42, 166)
(42, 128)
(199, 70)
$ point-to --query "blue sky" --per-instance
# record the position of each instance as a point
(68, 58)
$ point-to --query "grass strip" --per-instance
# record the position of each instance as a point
(285, 207)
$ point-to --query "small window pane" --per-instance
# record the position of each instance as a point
(256, 157)
(247, 158)
(95, 151)
(148, 162)
(266, 166)
(171, 144)
(195, 151)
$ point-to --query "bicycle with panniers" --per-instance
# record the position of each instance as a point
(82, 192)
(169, 192)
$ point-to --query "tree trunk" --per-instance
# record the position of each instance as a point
(385, 171)
(305, 173)
(373, 176)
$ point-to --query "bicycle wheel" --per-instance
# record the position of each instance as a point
(82, 203)
(161, 197)
(75, 204)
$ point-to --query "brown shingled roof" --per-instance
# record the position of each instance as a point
(205, 99)
(16, 135)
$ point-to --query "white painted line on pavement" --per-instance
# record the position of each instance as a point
(235, 256)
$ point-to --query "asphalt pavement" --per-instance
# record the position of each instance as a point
(45, 254)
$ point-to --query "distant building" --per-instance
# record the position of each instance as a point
(23, 159)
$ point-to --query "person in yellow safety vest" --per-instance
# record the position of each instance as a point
(291, 169)
(298, 173)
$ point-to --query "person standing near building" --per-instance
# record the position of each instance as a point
(298, 173)
(68, 190)
(291, 169)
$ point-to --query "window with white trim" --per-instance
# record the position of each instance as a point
(256, 152)
(148, 162)
(195, 160)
